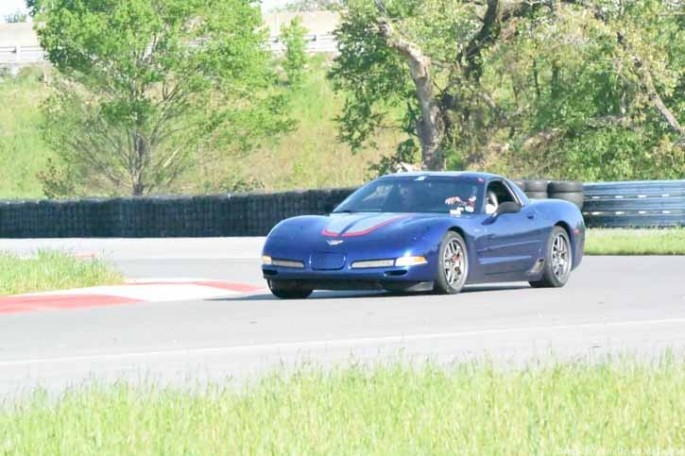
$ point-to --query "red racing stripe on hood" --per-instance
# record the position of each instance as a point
(325, 232)
(374, 227)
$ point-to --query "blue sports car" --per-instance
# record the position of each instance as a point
(426, 231)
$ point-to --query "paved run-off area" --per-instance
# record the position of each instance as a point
(632, 305)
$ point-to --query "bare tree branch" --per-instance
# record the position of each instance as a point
(430, 125)
(647, 82)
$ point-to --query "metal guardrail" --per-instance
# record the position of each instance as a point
(20, 56)
(324, 44)
(635, 204)
(15, 57)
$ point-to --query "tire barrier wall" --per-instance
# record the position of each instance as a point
(625, 204)
(199, 216)
(636, 204)
(543, 189)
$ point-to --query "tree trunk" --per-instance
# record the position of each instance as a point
(430, 127)
(138, 188)
(471, 56)
(139, 164)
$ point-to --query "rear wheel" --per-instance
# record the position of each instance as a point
(558, 261)
(288, 289)
(453, 264)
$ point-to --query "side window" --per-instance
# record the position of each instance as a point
(496, 194)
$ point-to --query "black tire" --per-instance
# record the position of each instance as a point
(565, 187)
(536, 195)
(552, 277)
(446, 283)
(576, 198)
(520, 184)
(288, 290)
(536, 185)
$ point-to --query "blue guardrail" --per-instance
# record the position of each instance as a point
(634, 204)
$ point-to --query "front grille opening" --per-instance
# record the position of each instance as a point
(397, 273)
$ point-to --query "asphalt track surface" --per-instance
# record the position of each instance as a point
(612, 305)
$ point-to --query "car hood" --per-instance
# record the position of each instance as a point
(354, 228)
(357, 232)
(364, 224)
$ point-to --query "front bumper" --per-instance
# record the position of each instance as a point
(330, 266)
(417, 273)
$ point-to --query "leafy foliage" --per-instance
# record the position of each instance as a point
(294, 38)
(585, 90)
(302, 6)
(147, 86)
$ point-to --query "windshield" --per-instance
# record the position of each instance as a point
(415, 194)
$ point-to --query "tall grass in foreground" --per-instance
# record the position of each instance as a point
(635, 242)
(615, 408)
(52, 271)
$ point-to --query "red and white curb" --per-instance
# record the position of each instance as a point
(132, 292)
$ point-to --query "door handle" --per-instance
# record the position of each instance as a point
(530, 216)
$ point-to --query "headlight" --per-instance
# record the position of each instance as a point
(288, 263)
(266, 259)
(410, 261)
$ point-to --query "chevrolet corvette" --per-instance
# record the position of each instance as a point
(426, 231)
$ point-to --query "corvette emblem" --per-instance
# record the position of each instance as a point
(334, 241)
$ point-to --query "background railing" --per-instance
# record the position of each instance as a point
(635, 204)
(622, 204)
(19, 56)
(16, 57)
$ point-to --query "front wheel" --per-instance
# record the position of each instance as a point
(453, 264)
(558, 261)
(288, 290)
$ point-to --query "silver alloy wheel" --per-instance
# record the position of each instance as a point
(454, 263)
(561, 257)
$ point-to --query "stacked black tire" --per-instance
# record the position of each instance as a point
(536, 188)
(566, 190)
(544, 189)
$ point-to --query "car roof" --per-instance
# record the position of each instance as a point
(467, 174)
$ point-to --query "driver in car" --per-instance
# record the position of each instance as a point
(466, 200)
(410, 197)
(491, 203)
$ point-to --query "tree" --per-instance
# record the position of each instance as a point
(423, 56)
(512, 84)
(303, 6)
(16, 17)
(146, 86)
(293, 36)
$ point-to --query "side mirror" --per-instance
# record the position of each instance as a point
(507, 207)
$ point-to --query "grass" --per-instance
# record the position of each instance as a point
(635, 242)
(51, 270)
(311, 156)
(611, 408)
(22, 151)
